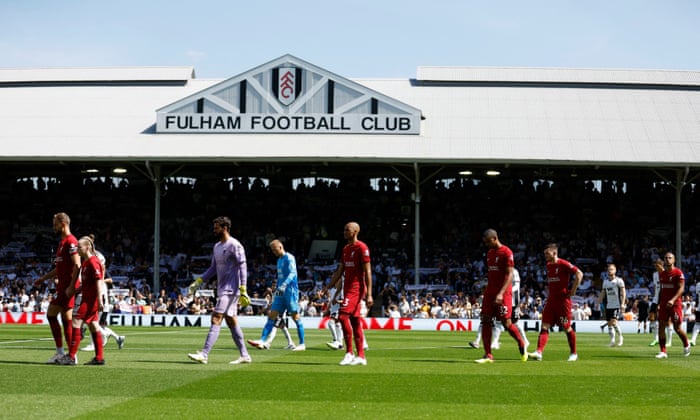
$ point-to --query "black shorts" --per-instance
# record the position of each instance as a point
(611, 314)
(654, 308)
(515, 315)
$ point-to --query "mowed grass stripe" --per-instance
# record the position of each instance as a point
(411, 374)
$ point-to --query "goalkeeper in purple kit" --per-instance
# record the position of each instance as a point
(228, 263)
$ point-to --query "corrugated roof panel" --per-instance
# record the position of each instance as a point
(464, 123)
(95, 74)
(562, 75)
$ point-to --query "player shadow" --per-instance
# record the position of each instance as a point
(293, 362)
(26, 362)
(168, 362)
(445, 361)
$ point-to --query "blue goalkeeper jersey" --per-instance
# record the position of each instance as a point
(287, 275)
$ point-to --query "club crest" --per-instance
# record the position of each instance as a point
(286, 85)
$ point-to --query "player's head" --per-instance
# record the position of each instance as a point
(551, 252)
(669, 260)
(490, 238)
(351, 230)
(222, 225)
(86, 247)
(276, 247)
(60, 220)
(659, 264)
(612, 271)
(223, 222)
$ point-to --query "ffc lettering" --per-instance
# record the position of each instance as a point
(287, 86)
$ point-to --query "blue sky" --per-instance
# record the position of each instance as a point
(354, 38)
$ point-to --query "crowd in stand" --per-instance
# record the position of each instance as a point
(595, 223)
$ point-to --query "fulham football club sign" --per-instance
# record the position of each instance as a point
(288, 95)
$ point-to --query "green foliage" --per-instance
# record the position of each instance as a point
(410, 374)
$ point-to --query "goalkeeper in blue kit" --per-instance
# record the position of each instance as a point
(286, 297)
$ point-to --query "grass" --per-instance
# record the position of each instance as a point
(410, 374)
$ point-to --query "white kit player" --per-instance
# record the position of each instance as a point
(614, 296)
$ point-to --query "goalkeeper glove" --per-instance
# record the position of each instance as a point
(244, 300)
(195, 284)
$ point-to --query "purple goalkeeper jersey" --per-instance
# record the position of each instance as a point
(228, 263)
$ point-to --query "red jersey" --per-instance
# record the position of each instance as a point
(558, 276)
(64, 262)
(498, 260)
(90, 273)
(354, 257)
(669, 283)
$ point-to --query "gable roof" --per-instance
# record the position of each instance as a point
(317, 92)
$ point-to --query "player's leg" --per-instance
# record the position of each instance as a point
(696, 329)
(618, 331)
(358, 335)
(270, 337)
(288, 336)
(344, 319)
(476, 343)
(96, 333)
(331, 328)
(238, 339)
(300, 331)
(677, 323)
(55, 326)
(67, 320)
(339, 332)
(213, 334)
(292, 308)
(495, 339)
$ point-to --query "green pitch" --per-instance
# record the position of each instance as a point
(417, 374)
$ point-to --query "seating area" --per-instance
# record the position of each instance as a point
(595, 222)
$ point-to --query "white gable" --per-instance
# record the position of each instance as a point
(288, 95)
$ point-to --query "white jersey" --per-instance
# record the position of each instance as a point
(334, 304)
(655, 282)
(613, 293)
(515, 287)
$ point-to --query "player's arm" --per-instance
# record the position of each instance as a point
(507, 285)
(679, 292)
(335, 277)
(50, 275)
(101, 294)
(623, 296)
(75, 275)
(601, 296)
(578, 276)
(75, 259)
(367, 268)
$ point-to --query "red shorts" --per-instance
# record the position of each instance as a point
(674, 313)
(502, 312)
(351, 305)
(60, 299)
(557, 313)
(88, 311)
